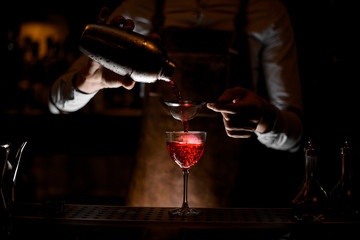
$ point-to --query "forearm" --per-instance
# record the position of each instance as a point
(64, 96)
(284, 89)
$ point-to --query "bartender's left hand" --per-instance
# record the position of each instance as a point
(244, 112)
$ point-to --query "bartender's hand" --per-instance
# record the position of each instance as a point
(244, 112)
(93, 76)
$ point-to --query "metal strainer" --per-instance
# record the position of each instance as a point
(184, 111)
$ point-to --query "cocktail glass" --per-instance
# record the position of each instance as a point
(185, 148)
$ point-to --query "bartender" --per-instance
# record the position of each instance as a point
(240, 57)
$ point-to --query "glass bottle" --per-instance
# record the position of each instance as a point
(310, 204)
(127, 53)
(342, 196)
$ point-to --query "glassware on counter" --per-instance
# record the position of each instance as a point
(311, 202)
(185, 148)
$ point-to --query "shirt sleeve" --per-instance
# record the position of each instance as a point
(64, 97)
(281, 74)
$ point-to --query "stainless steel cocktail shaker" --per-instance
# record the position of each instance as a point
(126, 53)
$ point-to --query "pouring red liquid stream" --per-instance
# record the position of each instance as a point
(179, 100)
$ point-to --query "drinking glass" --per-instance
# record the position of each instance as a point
(185, 148)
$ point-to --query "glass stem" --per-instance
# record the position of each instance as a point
(185, 201)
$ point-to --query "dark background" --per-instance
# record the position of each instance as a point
(327, 45)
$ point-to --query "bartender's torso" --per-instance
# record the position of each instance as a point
(267, 29)
(197, 35)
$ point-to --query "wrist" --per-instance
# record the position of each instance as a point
(84, 85)
(266, 123)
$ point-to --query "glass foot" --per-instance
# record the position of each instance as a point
(184, 212)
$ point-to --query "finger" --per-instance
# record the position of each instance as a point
(212, 106)
(236, 124)
(223, 108)
(232, 111)
(239, 134)
(231, 108)
(118, 21)
(128, 82)
(129, 25)
(103, 15)
(154, 36)
(251, 116)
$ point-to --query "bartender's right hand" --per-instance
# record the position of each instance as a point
(93, 76)
(244, 112)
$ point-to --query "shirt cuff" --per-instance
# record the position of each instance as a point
(65, 97)
(286, 133)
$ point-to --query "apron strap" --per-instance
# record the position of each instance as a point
(238, 48)
(240, 74)
(158, 18)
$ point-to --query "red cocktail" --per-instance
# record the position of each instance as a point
(185, 148)
(185, 154)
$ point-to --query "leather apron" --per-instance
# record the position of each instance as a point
(232, 172)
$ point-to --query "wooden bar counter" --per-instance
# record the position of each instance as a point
(74, 221)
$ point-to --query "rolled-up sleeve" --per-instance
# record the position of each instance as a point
(64, 97)
(282, 81)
